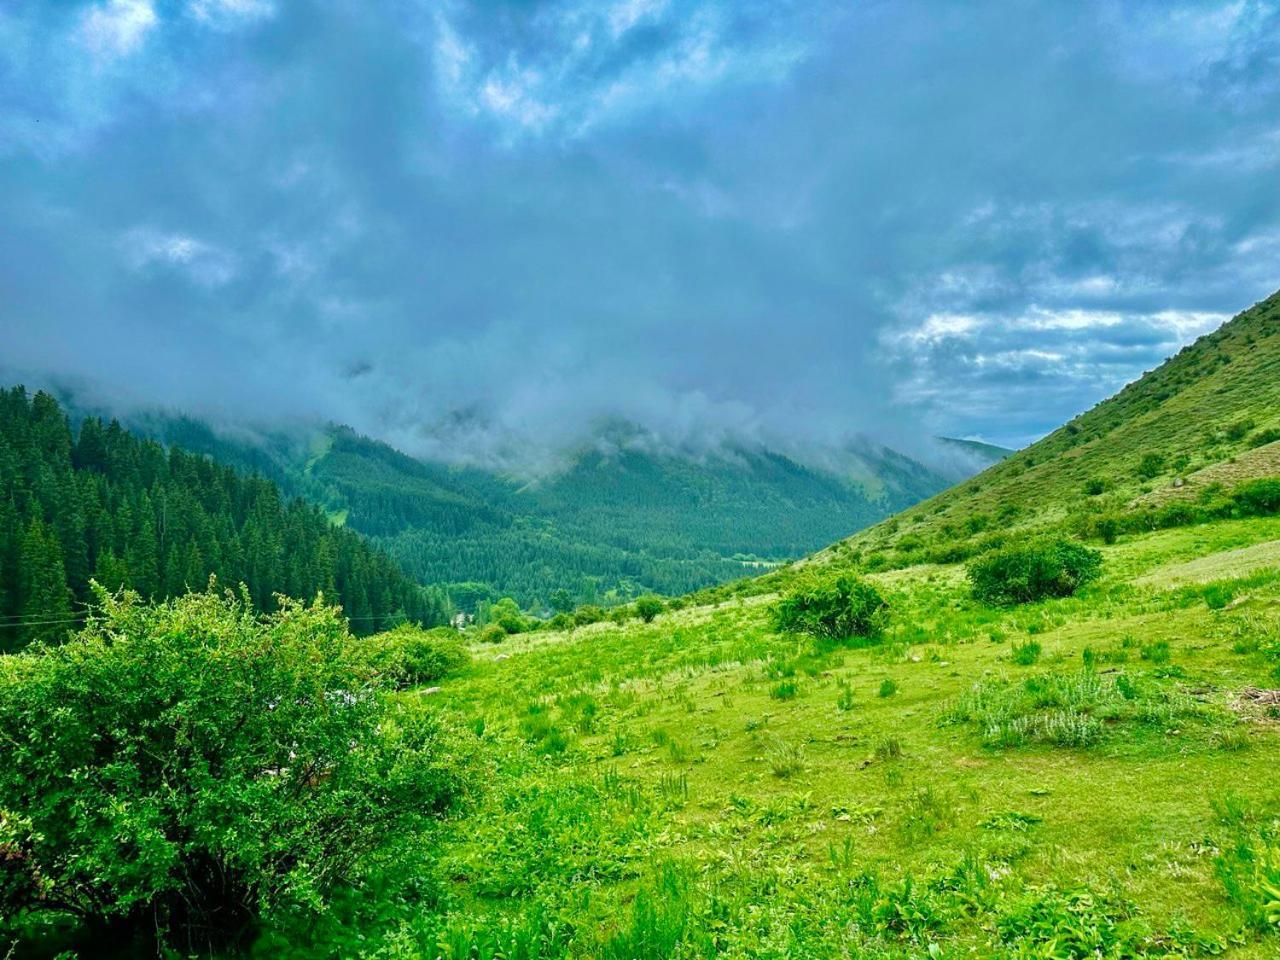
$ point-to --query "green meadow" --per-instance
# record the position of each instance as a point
(1079, 777)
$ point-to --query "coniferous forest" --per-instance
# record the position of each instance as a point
(96, 502)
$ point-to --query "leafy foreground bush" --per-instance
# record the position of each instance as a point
(832, 609)
(410, 656)
(189, 766)
(1034, 571)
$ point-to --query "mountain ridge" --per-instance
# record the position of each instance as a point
(1211, 403)
(623, 512)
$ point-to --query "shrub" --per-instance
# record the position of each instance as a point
(1265, 436)
(1095, 486)
(1258, 497)
(189, 765)
(492, 633)
(1150, 466)
(833, 609)
(1034, 571)
(888, 688)
(587, 613)
(1107, 528)
(1238, 430)
(506, 614)
(410, 656)
(1025, 654)
(648, 607)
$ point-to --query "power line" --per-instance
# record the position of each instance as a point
(41, 623)
(19, 622)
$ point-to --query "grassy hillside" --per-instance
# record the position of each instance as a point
(1209, 415)
(704, 786)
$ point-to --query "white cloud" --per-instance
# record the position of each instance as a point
(940, 326)
(117, 28)
(227, 13)
(202, 262)
(625, 15)
(568, 69)
(977, 361)
(513, 95)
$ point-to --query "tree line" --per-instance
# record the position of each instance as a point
(99, 503)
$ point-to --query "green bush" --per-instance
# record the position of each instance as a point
(1237, 431)
(832, 609)
(1095, 486)
(1265, 436)
(587, 613)
(411, 656)
(561, 621)
(1259, 497)
(648, 607)
(506, 614)
(190, 765)
(492, 633)
(1150, 466)
(1034, 571)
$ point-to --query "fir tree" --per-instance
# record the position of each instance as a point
(46, 602)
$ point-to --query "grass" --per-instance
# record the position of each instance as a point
(1086, 776)
(988, 781)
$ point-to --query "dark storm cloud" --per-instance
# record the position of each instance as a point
(477, 229)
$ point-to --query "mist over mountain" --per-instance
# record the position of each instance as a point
(622, 511)
(475, 231)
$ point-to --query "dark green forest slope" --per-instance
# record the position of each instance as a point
(101, 503)
(623, 516)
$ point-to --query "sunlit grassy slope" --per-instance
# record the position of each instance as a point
(1096, 776)
(708, 781)
(1209, 414)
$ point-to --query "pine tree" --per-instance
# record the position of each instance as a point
(46, 601)
(132, 514)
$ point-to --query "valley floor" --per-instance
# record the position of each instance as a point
(1097, 776)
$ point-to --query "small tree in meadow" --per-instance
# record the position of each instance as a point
(506, 614)
(836, 609)
(648, 607)
(1150, 466)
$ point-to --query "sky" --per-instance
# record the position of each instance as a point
(477, 230)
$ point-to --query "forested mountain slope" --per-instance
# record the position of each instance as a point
(622, 516)
(1204, 420)
(101, 503)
